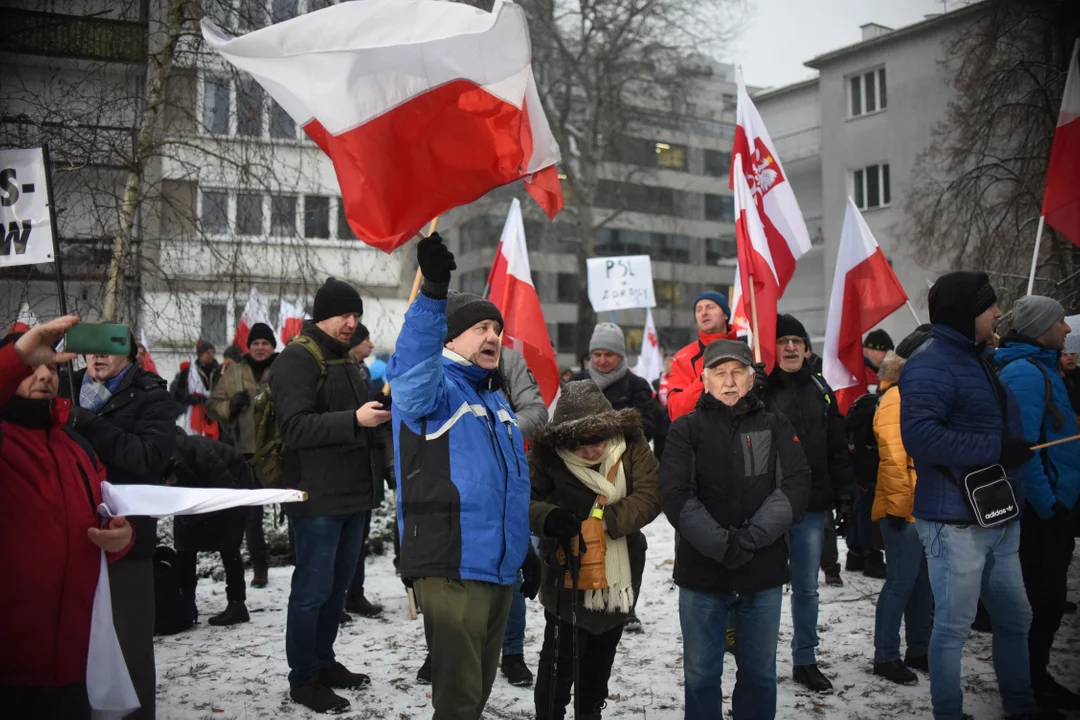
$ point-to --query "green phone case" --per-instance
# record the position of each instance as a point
(98, 339)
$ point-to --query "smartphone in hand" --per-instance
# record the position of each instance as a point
(98, 339)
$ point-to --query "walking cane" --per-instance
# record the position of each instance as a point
(553, 676)
(575, 571)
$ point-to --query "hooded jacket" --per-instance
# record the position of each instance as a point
(895, 493)
(1053, 475)
(726, 468)
(463, 480)
(554, 485)
(633, 391)
(684, 383)
(237, 378)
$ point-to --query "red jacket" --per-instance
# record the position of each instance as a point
(685, 386)
(50, 565)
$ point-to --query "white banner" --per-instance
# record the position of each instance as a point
(25, 228)
(619, 283)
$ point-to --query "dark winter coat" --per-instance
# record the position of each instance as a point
(202, 462)
(553, 485)
(211, 374)
(51, 488)
(808, 403)
(239, 378)
(339, 464)
(728, 468)
(133, 435)
(631, 391)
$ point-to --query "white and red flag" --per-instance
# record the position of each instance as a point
(1061, 198)
(769, 228)
(865, 291)
(25, 320)
(290, 321)
(650, 364)
(148, 363)
(254, 312)
(422, 105)
(512, 291)
(196, 421)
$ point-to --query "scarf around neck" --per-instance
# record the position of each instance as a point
(93, 395)
(606, 380)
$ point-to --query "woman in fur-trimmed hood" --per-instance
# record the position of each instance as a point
(570, 461)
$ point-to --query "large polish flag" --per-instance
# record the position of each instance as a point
(148, 363)
(290, 321)
(512, 291)
(773, 233)
(865, 291)
(650, 364)
(25, 320)
(254, 312)
(422, 105)
(1061, 198)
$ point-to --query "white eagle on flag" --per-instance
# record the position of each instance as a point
(763, 173)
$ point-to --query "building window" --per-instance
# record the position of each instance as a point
(216, 105)
(282, 126)
(214, 216)
(731, 102)
(647, 153)
(316, 217)
(669, 294)
(720, 248)
(283, 215)
(481, 233)
(870, 186)
(567, 290)
(213, 323)
(474, 281)
(717, 163)
(249, 108)
(720, 208)
(672, 157)
(867, 92)
(639, 198)
(566, 340)
(249, 214)
(344, 232)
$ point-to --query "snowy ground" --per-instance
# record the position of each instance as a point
(239, 672)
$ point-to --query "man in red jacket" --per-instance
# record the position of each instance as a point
(684, 386)
(51, 534)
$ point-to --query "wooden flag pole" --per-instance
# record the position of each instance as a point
(1035, 255)
(1056, 442)
(753, 321)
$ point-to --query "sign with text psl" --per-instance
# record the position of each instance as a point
(25, 228)
(619, 283)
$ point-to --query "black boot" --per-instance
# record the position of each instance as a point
(423, 675)
(918, 662)
(192, 612)
(1049, 693)
(318, 697)
(259, 580)
(361, 606)
(235, 612)
(855, 562)
(337, 675)
(811, 677)
(516, 671)
(875, 565)
(896, 672)
(344, 618)
(1070, 607)
(832, 577)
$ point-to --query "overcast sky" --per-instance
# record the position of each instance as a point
(780, 35)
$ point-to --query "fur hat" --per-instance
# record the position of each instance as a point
(583, 413)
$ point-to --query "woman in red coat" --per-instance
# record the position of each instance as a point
(50, 486)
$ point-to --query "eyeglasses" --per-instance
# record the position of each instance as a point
(795, 341)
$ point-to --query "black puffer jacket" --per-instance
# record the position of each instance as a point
(808, 402)
(632, 391)
(202, 462)
(133, 435)
(727, 468)
(327, 454)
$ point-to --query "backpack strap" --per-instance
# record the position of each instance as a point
(1049, 408)
(825, 390)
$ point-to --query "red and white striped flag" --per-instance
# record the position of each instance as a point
(512, 291)
(650, 364)
(254, 312)
(769, 228)
(290, 321)
(25, 320)
(865, 291)
(422, 105)
(148, 363)
(1061, 198)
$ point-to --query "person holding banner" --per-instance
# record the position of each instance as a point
(51, 535)
(684, 386)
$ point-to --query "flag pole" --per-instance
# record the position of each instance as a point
(753, 321)
(1035, 255)
(912, 309)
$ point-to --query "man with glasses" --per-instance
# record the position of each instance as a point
(802, 395)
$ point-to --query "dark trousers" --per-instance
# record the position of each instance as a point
(596, 654)
(131, 583)
(1045, 554)
(357, 586)
(830, 556)
(66, 702)
(862, 537)
(234, 574)
(256, 540)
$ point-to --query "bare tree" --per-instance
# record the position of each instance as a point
(978, 188)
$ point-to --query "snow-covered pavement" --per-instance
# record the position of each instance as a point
(240, 672)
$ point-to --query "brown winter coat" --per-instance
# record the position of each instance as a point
(553, 485)
(234, 379)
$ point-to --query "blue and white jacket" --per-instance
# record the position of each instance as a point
(463, 480)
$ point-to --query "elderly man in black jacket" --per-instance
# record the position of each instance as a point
(334, 453)
(733, 481)
(128, 417)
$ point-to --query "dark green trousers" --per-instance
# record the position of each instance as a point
(464, 622)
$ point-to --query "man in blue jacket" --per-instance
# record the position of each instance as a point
(957, 417)
(1028, 359)
(463, 483)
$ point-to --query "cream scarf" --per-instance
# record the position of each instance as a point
(618, 596)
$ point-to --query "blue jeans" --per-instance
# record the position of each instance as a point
(906, 594)
(807, 539)
(514, 636)
(965, 563)
(705, 618)
(326, 552)
(356, 587)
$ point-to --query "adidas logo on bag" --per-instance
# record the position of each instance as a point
(998, 513)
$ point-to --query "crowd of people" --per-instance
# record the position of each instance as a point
(931, 478)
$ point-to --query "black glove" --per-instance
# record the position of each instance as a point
(530, 574)
(390, 476)
(80, 419)
(238, 402)
(408, 582)
(841, 521)
(194, 399)
(563, 526)
(1015, 451)
(745, 540)
(896, 522)
(736, 555)
(761, 380)
(435, 259)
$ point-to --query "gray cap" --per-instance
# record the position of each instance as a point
(1035, 314)
(722, 350)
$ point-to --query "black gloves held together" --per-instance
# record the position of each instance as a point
(563, 526)
(238, 402)
(435, 259)
(530, 574)
(740, 550)
(1015, 451)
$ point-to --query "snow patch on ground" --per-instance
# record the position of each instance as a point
(240, 672)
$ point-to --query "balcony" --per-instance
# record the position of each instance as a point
(798, 145)
(43, 33)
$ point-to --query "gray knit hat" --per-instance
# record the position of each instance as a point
(579, 399)
(608, 336)
(463, 310)
(1035, 314)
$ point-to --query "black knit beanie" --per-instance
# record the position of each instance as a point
(334, 298)
(463, 310)
(788, 326)
(957, 298)
(261, 331)
(878, 340)
(360, 334)
(914, 341)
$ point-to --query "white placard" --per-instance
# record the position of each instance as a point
(619, 283)
(25, 228)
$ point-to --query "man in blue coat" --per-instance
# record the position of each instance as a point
(1028, 358)
(957, 417)
(463, 483)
